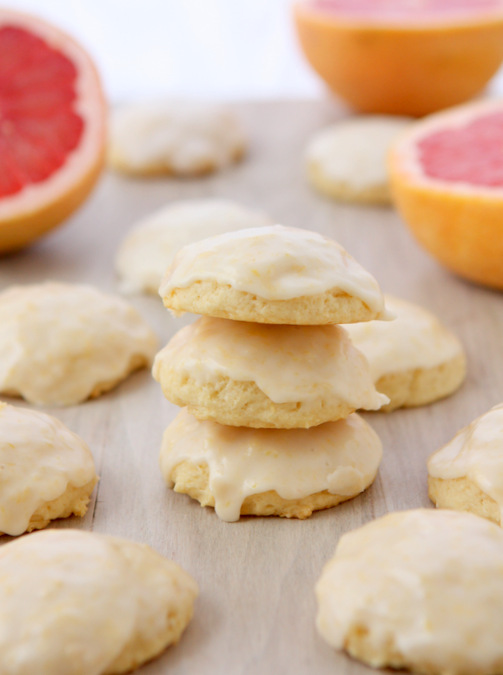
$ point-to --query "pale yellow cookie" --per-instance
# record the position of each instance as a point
(419, 589)
(347, 161)
(467, 473)
(269, 472)
(63, 343)
(174, 137)
(257, 375)
(274, 274)
(414, 359)
(79, 603)
(150, 247)
(47, 471)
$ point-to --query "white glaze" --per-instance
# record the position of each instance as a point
(70, 601)
(414, 339)
(341, 457)
(150, 247)
(58, 341)
(288, 363)
(353, 152)
(181, 136)
(274, 263)
(476, 453)
(427, 583)
(39, 459)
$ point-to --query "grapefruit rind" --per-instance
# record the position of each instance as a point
(402, 69)
(460, 224)
(39, 207)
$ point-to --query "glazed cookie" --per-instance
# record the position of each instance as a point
(257, 375)
(467, 473)
(418, 589)
(74, 602)
(274, 274)
(269, 472)
(63, 343)
(414, 359)
(178, 138)
(347, 161)
(148, 250)
(47, 471)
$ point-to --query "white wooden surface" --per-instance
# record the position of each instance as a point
(255, 614)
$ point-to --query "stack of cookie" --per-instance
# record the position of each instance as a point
(268, 381)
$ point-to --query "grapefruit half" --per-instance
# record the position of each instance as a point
(406, 57)
(446, 176)
(52, 127)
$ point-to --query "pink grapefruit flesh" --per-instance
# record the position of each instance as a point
(447, 182)
(52, 127)
(400, 10)
(471, 154)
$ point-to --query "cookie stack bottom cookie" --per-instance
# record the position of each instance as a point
(269, 472)
(269, 426)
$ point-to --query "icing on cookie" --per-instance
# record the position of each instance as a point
(288, 363)
(72, 602)
(274, 263)
(60, 341)
(180, 136)
(341, 457)
(476, 453)
(415, 338)
(421, 589)
(39, 459)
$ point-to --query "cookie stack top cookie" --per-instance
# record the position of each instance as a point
(268, 355)
(276, 275)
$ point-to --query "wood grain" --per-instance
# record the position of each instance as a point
(256, 611)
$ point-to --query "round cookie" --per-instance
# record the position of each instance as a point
(75, 602)
(47, 471)
(269, 472)
(149, 248)
(418, 589)
(467, 473)
(276, 274)
(414, 359)
(257, 375)
(347, 161)
(63, 343)
(175, 138)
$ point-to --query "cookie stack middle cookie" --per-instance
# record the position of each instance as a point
(268, 381)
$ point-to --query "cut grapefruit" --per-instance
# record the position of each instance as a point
(52, 127)
(446, 176)
(402, 57)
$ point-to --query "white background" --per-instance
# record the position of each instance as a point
(196, 48)
(222, 49)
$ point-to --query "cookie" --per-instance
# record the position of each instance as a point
(47, 471)
(174, 138)
(274, 274)
(414, 359)
(76, 602)
(258, 375)
(419, 589)
(149, 248)
(347, 161)
(269, 472)
(467, 473)
(63, 343)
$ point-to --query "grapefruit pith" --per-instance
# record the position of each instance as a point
(397, 57)
(446, 176)
(52, 127)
